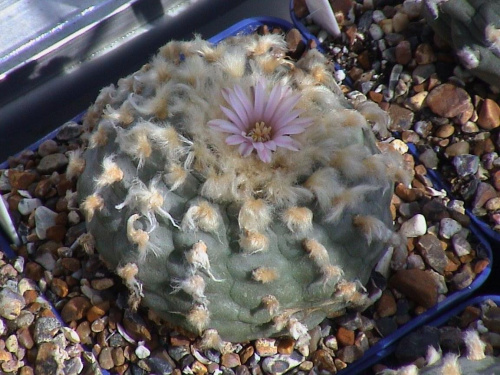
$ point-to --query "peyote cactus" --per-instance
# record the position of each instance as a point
(472, 27)
(235, 191)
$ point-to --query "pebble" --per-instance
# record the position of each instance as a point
(458, 148)
(447, 100)
(466, 164)
(418, 285)
(230, 360)
(75, 309)
(266, 347)
(414, 227)
(280, 363)
(429, 159)
(11, 304)
(448, 227)
(52, 163)
(431, 250)
(489, 115)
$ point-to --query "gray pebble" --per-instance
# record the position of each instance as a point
(11, 304)
(449, 227)
(466, 164)
(45, 329)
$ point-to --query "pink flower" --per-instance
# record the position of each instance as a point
(263, 121)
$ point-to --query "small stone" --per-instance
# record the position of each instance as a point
(400, 22)
(463, 278)
(44, 219)
(47, 359)
(424, 54)
(403, 52)
(106, 358)
(415, 261)
(418, 285)
(345, 336)
(142, 352)
(417, 101)
(447, 100)
(448, 227)
(414, 227)
(324, 361)
(102, 283)
(466, 164)
(47, 147)
(445, 131)
(489, 115)
(52, 163)
(349, 354)
(21, 180)
(386, 305)
(432, 252)
(493, 204)
(285, 345)
(280, 363)
(266, 347)
(402, 118)
(230, 360)
(69, 130)
(461, 246)
(458, 148)
(11, 304)
(429, 158)
(59, 287)
(45, 329)
(376, 31)
(422, 73)
(75, 309)
(246, 354)
(27, 205)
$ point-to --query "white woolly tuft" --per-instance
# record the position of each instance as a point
(135, 143)
(372, 228)
(348, 199)
(199, 317)
(298, 219)
(194, 285)
(76, 164)
(140, 238)
(253, 242)
(432, 356)
(265, 275)
(254, 215)
(299, 332)
(175, 177)
(317, 252)
(110, 174)
(271, 303)
(90, 204)
(450, 365)
(202, 216)
(325, 185)
(474, 345)
(197, 258)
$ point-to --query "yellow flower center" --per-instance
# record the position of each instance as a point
(261, 132)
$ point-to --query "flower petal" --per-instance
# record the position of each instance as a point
(287, 142)
(263, 152)
(235, 118)
(224, 126)
(245, 148)
(236, 105)
(286, 105)
(272, 103)
(271, 145)
(241, 97)
(235, 139)
(290, 129)
(259, 102)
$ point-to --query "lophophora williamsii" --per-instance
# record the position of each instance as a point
(235, 190)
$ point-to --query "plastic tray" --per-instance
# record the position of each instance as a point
(371, 356)
(440, 321)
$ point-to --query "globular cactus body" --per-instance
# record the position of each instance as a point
(250, 231)
(472, 27)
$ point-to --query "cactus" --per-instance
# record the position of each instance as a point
(235, 191)
(472, 27)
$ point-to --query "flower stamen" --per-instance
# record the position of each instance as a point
(260, 133)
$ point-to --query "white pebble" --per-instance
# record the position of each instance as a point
(44, 219)
(27, 205)
(71, 335)
(339, 75)
(414, 227)
(376, 32)
(141, 351)
(378, 16)
(322, 35)
(448, 227)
